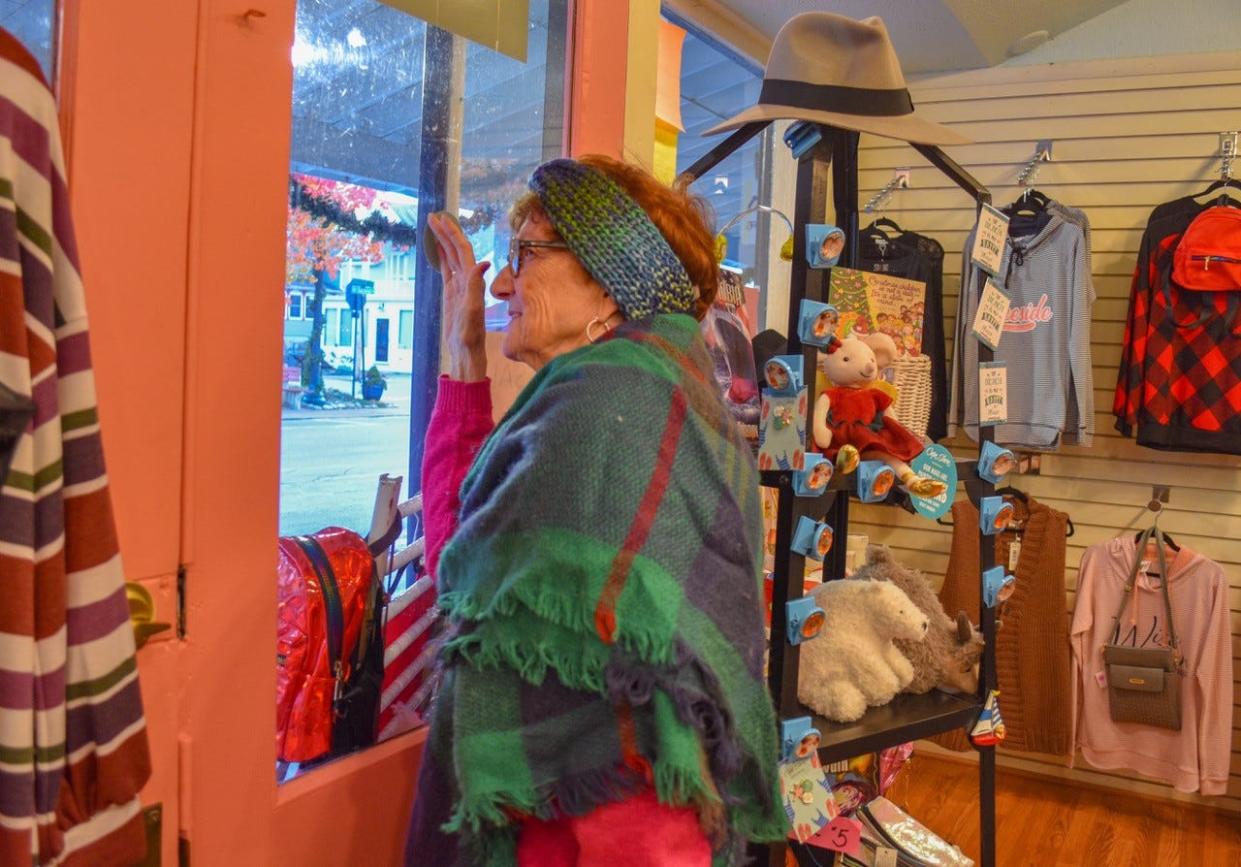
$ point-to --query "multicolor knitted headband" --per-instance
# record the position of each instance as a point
(614, 239)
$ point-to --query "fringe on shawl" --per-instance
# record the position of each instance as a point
(545, 596)
(487, 824)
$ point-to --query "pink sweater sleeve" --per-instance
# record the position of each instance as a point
(1079, 639)
(1213, 681)
(460, 422)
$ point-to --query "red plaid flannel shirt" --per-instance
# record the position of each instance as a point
(1179, 383)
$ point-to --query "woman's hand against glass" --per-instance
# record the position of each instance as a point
(465, 332)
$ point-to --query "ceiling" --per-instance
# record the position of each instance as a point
(934, 35)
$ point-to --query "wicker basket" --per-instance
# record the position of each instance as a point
(911, 375)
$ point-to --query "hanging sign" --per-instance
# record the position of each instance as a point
(935, 462)
(989, 239)
(992, 393)
(991, 315)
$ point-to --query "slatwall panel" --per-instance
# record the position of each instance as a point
(1127, 136)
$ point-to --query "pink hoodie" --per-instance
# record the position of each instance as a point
(1196, 758)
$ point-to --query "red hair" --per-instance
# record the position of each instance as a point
(683, 218)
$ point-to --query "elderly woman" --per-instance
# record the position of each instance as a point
(602, 697)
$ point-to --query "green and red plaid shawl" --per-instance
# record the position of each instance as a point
(605, 586)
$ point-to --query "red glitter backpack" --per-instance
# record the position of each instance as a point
(329, 645)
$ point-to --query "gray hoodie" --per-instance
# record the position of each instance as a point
(1046, 340)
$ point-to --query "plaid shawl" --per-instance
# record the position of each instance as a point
(604, 585)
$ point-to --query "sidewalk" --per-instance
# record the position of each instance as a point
(395, 400)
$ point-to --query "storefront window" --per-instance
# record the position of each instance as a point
(368, 86)
(356, 148)
(34, 23)
(715, 85)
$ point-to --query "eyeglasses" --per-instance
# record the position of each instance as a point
(516, 246)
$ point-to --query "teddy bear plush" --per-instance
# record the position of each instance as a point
(849, 419)
(948, 656)
(853, 664)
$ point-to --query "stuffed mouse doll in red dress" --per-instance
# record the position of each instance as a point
(850, 420)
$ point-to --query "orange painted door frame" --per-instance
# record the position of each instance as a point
(177, 120)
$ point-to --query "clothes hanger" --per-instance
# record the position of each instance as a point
(1224, 185)
(1028, 214)
(721, 243)
(883, 223)
(1030, 201)
(1168, 540)
(1010, 491)
(886, 234)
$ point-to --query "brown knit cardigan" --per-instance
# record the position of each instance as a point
(1032, 644)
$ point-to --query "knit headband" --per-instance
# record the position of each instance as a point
(614, 239)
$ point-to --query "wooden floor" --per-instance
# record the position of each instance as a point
(1049, 823)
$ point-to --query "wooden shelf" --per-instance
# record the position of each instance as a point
(906, 718)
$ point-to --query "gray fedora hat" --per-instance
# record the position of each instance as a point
(833, 69)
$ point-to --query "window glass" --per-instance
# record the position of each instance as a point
(359, 70)
(34, 23)
(345, 337)
(331, 330)
(356, 145)
(715, 85)
(406, 336)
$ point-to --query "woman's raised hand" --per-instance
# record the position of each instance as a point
(465, 332)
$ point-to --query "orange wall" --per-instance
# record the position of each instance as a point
(128, 149)
(177, 124)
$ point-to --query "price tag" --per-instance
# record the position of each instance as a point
(992, 393)
(1014, 555)
(989, 240)
(885, 856)
(841, 835)
(991, 315)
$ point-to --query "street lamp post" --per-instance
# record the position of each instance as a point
(356, 293)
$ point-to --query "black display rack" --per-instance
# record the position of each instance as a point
(908, 717)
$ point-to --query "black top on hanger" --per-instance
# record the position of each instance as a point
(1028, 214)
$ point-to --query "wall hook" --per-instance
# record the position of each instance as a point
(1042, 154)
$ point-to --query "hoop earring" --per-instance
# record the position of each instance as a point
(604, 325)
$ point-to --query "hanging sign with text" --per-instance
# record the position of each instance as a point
(989, 240)
(992, 314)
(992, 393)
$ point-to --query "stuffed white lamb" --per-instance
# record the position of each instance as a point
(853, 663)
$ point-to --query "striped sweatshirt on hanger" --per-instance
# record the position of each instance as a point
(73, 748)
(1045, 343)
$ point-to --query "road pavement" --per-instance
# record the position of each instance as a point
(331, 460)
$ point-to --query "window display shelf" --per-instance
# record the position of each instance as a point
(906, 718)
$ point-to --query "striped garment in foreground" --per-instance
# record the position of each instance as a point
(73, 748)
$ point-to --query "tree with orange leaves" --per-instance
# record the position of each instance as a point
(315, 247)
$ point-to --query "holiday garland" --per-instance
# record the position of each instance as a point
(375, 225)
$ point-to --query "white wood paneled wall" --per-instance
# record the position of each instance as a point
(1127, 135)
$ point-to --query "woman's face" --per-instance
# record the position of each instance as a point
(551, 301)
